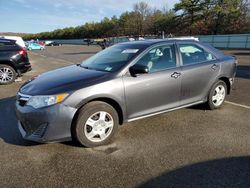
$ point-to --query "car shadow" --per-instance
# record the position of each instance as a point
(247, 53)
(227, 172)
(79, 53)
(202, 106)
(8, 124)
(72, 143)
(243, 71)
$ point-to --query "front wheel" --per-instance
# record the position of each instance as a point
(217, 95)
(96, 124)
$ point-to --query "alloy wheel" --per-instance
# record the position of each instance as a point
(98, 126)
(6, 75)
(219, 95)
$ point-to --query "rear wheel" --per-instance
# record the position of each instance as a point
(7, 74)
(217, 95)
(96, 124)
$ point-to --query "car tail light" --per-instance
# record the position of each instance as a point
(22, 52)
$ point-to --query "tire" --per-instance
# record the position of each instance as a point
(7, 74)
(217, 95)
(96, 124)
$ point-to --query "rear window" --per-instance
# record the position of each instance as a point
(7, 43)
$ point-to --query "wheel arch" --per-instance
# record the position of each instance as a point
(107, 100)
(227, 82)
(9, 63)
(114, 104)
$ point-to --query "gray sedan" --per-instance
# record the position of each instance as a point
(128, 81)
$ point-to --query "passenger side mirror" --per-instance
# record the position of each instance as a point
(138, 69)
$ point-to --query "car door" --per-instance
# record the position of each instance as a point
(199, 69)
(157, 90)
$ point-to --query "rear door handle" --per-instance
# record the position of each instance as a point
(175, 75)
(214, 66)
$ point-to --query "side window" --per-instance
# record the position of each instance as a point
(3, 44)
(6, 43)
(191, 54)
(159, 58)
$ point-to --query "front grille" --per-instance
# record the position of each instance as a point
(24, 128)
(27, 127)
(22, 99)
(40, 131)
(33, 131)
(22, 102)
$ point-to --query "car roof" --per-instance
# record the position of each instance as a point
(7, 40)
(151, 42)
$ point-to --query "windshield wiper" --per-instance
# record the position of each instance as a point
(83, 66)
(91, 68)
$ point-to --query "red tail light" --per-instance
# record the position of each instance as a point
(22, 52)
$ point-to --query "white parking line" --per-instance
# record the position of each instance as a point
(236, 104)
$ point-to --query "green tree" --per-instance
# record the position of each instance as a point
(189, 17)
(189, 12)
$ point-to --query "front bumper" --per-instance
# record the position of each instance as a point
(49, 124)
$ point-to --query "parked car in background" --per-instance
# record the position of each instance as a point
(13, 61)
(35, 46)
(53, 44)
(122, 83)
(184, 38)
(48, 42)
(26, 44)
(40, 42)
(19, 40)
(88, 41)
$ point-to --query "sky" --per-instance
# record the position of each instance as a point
(33, 16)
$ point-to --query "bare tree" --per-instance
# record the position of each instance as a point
(142, 11)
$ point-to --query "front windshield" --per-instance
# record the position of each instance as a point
(112, 58)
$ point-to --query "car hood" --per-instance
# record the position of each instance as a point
(62, 80)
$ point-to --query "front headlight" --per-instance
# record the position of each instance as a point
(42, 101)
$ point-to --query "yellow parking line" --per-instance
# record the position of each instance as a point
(236, 104)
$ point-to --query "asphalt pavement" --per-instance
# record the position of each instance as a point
(191, 147)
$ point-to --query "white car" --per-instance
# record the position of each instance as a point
(184, 38)
(47, 42)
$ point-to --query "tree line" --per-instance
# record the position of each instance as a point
(188, 17)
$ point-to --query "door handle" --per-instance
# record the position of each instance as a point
(175, 75)
(214, 67)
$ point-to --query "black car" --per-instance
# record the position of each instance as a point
(54, 44)
(13, 61)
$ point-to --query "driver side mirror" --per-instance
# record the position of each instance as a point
(138, 69)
